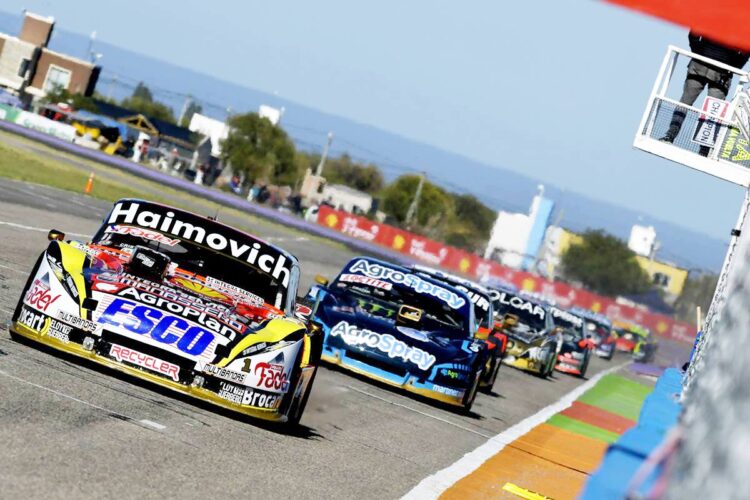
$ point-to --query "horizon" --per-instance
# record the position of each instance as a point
(712, 220)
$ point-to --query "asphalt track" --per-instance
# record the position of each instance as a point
(77, 431)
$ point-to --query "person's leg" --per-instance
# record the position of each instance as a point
(691, 90)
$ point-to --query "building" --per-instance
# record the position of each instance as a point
(666, 276)
(30, 69)
(516, 239)
(347, 199)
(643, 240)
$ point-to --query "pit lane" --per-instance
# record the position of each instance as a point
(76, 431)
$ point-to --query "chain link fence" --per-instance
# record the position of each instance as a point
(713, 458)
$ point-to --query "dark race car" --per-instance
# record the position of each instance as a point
(599, 330)
(575, 351)
(484, 313)
(533, 343)
(181, 301)
(409, 331)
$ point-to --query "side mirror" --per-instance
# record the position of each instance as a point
(321, 280)
(314, 327)
(55, 235)
(409, 314)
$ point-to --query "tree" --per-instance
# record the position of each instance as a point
(698, 291)
(343, 170)
(260, 150)
(142, 101)
(434, 207)
(77, 101)
(470, 223)
(604, 264)
(142, 92)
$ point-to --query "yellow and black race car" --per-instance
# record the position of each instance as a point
(181, 301)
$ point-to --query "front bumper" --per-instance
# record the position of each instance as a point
(273, 414)
(408, 382)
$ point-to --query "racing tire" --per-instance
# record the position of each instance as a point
(298, 405)
(471, 394)
(488, 384)
(585, 364)
(551, 358)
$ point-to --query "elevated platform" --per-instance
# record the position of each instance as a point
(714, 136)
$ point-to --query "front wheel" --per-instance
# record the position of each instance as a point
(585, 363)
(549, 355)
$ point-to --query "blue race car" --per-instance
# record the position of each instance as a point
(385, 322)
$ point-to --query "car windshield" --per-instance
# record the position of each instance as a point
(384, 299)
(273, 278)
(597, 328)
(572, 325)
(531, 315)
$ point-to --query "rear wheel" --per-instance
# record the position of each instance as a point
(489, 382)
(471, 394)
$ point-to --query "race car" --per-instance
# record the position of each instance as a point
(382, 321)
(494, 338)
(636, 340)
(181, 301)
(533, 343)
(575, 351)
(599, 330)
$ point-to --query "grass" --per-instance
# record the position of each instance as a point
(65, 171)
(23, 166)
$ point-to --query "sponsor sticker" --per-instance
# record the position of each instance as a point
(519, 303)
(143, 233)
(78, 322)
(165, 328)
(412, 281)
(32, 319)
(202, 232)
(249, 397)
(39, 295)
(59, 331)
(446, 390)
(234, 291)
(224, 373)
(121, 353)
(271, 376)
(385, 343)
(365, 280)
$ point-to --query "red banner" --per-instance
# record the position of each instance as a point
(725, 21)
(456, 260)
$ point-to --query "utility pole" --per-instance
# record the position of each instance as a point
(319, 168)
(412, 212)
(185, 106)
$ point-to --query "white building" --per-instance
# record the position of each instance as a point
(346, 198)
(516, 239)
(642, 240)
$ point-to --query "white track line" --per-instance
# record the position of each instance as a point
(147, 423)
(37, 229)
(435, 485)
(418, 411)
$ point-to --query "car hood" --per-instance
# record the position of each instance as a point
(380, 337)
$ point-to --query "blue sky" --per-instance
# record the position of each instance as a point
(553, 89)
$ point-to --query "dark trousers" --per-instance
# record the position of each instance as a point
(699, 76)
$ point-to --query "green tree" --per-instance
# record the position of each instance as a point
(435, 205)
(260, 150)
(604, 264)
(343, 170)
(143, 93)
(698, 291)
(78, 101)
(142, 101)
(153, 109)
(470, 223)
